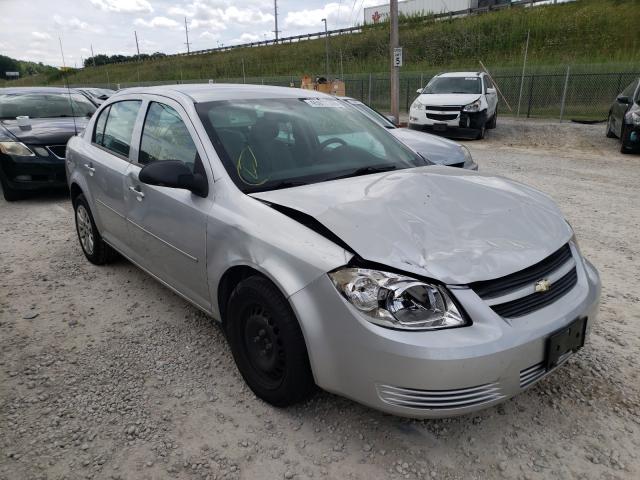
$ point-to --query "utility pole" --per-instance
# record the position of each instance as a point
(137, 47)
(64, 65)
(186, 32)
(524, 67)
(275, 14)
(326, 46)
(395, 70)
(93, 56)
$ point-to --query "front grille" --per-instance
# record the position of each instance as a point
(531, 374)
(443, 117)
(58, 150)
(536, 301)
(438, 108)
(503, 285)
(559, 268)
(440, 399)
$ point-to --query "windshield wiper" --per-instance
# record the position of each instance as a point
(364, 171)
(276, 186)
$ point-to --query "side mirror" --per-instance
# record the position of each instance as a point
(491, 91)
(419, 91)
(623, 99)
(392, 119)
(174, 174)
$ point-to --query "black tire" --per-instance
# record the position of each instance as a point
(10, 194)
(623, 135)
(99, 253)
(494, 120)
(610, 133)
(481, 131)
(267, 343)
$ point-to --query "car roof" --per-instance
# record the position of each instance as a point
(460, 74)
(10, 90)
(206, 92)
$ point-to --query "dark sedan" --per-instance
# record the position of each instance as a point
(624, 118)
(96, 95)
(35, 124)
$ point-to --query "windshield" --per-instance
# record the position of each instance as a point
(44, 105)
(371, 113)
(267, 144)
(454, 85)
(101, 93)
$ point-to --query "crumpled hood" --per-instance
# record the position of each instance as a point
(448, 99)
(452, 225)
(46, 131)
(437, 149)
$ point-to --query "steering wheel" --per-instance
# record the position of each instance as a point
(330, 141)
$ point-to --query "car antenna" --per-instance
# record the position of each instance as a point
(66, 81)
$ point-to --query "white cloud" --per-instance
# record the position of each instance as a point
(157, 22)
(337, 16)
(74, 24)
(41, 35)
(207, 35)
(223, 14)
(123, 6)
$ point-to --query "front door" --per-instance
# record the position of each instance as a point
(168, 226)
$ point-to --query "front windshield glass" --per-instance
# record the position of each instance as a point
(267, 144)
(44, 105)
(454, 85)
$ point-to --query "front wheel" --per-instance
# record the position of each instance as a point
(9, 194)
(481, 131)
(267, 343)
(624, 133)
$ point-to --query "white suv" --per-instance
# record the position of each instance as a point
(458, 100)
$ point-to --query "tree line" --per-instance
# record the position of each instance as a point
(102, 59)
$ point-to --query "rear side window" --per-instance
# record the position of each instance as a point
(98, 134)
(118, 129)
(166, 137)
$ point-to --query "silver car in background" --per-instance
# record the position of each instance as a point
(331, 253)
(438, 150)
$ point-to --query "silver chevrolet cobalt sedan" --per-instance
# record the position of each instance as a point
(332, 254)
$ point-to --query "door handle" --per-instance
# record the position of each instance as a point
(90, 167)
(138, 193)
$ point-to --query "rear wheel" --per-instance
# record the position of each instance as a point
(267, 343)
(494, 120)
(610, 133)
(94, 248)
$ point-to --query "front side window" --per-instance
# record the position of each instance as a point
(276, 143)
(440, 85)
(118, 129)
(45, 105)
(630, 90)
(165, 137)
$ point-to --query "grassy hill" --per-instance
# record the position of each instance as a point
(585, 31)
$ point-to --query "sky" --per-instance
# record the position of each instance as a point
(29, 29)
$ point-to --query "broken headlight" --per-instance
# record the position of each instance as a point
(395, 301)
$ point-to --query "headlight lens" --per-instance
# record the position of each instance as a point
(473, 107)
(416, 105)
(635, 118)
(395, 301)
(16, 148)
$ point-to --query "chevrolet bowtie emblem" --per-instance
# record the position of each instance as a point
(542, 286)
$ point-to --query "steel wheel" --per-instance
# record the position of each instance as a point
(263, 345)
(85, 230)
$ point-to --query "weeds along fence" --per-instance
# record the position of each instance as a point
(557, 93)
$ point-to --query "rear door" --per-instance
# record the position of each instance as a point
(168, 226)
(106, 168)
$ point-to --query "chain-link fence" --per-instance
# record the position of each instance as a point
(561, 94)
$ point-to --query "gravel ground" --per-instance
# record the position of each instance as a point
(104, 373)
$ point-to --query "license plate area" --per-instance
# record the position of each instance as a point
(439, 127)
(570, 339)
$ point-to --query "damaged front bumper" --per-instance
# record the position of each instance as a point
(440, 373)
